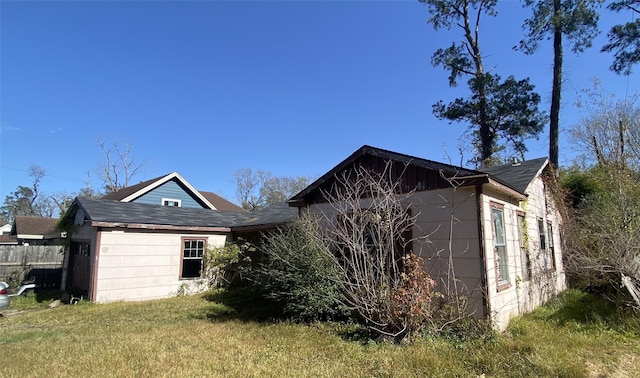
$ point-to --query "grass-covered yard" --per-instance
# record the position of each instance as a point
(199, 336)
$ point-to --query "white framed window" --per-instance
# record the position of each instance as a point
(192, 253)
(171, 202)
(500, 246)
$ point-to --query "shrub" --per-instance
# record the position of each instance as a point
(296, 271)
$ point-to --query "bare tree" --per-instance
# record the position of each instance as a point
(610, 133)
(258, 189)
(119, 166)
(369, 228)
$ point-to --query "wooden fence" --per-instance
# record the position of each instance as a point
(24, 262)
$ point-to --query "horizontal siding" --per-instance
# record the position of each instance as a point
(137, 266)
(171, 189)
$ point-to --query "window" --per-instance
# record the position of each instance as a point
(552, 251)
(543, 235)
(500, 245)
(171, 202)
(192, 252)
(524, 250)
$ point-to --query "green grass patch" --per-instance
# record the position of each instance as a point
(225, 334)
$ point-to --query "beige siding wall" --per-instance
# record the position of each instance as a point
(448, 219)
(522, 295)
(139, 265)
(441, 214)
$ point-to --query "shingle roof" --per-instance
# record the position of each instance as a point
(279, 213)
(123, 193)
(517, 176)
(217, 201)
(34, 226)
(109, 211)
(221, 203)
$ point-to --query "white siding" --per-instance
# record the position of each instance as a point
(139, 265)
(522, 296)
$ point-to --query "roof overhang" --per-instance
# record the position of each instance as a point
(506, 190)
(159, 227)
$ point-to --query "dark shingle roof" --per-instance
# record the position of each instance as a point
(109, 211)
(279, 213)
(123, 193)
(34, 226)
(221, 203)
(517, 176)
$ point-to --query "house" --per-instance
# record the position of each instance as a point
(32, 250)
(147, 241)
(498, 229)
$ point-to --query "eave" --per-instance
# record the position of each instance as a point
(158, 227)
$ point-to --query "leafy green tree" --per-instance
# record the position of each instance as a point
(511, 113)
(624, 39)
(577, 20)
(465, 59)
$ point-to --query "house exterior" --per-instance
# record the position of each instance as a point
(145, 241)
(32, 250)
(497, 231)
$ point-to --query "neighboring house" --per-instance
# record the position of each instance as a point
(502, 222)
(148, 240)
(32, 250)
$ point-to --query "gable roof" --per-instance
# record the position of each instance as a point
(209, 198)
(130, 193)
(110, 213)
(386, 155)
(35, 228)
(468, 176)
(518, 175)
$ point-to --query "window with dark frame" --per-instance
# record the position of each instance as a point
(543, 235)
(171, 202)
(192, 253)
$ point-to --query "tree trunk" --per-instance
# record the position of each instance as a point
(554, 120)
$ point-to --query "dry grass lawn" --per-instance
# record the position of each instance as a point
(195, 337)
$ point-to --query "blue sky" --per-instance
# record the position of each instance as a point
(208, 87)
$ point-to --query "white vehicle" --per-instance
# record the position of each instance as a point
(4, 296)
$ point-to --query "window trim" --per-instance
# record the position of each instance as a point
(501, 283)
(550, 243)
(164, 200)
(184, 239)
(525, 255)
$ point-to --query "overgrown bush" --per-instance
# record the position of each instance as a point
(296, 271)
(603, 239)
(225, 266)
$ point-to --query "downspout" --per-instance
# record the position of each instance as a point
(483, 274)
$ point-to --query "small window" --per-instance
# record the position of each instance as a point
(543, 235)
(552, 251)
(500, 245)
(192, 252)
(524, 250)
(171, 202)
